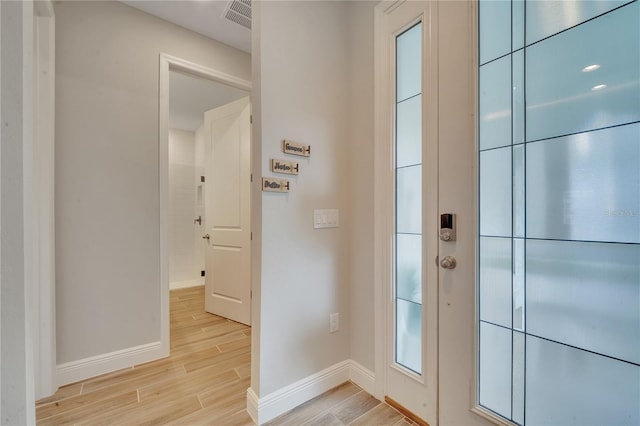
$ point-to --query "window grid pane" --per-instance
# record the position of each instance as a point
(408, 195)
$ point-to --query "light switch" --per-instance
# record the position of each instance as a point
(326, 218)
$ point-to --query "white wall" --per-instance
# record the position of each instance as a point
(186, 257)
(361, 289)
(107, 187)
(303, 86)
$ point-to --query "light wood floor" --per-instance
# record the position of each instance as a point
(204, 381)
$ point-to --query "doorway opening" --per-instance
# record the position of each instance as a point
(188, 95)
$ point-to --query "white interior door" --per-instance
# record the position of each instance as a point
(227, 211)
(425, 167)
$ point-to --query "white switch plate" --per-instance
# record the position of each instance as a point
(326, 218)
(334, 322)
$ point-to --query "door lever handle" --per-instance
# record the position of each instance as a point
(206, 237)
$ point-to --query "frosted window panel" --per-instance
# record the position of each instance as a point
(518, 96)
(495, 368)
(518, 284)
(517, 24)
(409, 335)
(518, 378)
(409, 132)
(409, 63)
(545, 18)
(570, 387)
(409, 200)
(585, 295)
(495, 280)
(409, 267)
(495, 192)
(586, 186)
(518, 191)
(495, 104)
(562, 99)
(495, 29)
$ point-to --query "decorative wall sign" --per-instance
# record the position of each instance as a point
(275, 185)
(295, 148)
(288, 167)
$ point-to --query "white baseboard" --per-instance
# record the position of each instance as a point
(175, 285)
(363, 377)
(279, 402)
(75, 371)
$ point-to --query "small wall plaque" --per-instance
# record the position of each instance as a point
(295, 148)
(288, 167)
(275, 185)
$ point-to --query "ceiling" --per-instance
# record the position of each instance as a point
(205, 17)
(191, 96)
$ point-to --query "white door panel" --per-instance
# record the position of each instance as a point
(227, 211)
(443, 392)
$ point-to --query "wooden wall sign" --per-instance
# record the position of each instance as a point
(275, 185)
(295, 148)
(288, 167)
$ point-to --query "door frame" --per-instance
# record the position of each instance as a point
(39, 207)
(170, 63)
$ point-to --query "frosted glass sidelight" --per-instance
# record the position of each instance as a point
(585, 295)
(409, 200)
(495, 103)
(409, 132)
(409, 63)
(518, 191)
(495, 280)
(518, 284)
(545, 18)
(409, 267)
(518, 96)
(495, 368)
(568, 386)
(585, 186)
(517, 23)
(563, 99)
(409, 335)
(518, 378)
(495, 192)
(495, 28)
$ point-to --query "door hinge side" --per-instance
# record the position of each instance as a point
(251, 236)
(251, 119)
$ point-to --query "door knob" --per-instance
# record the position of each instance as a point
(448, 262)
(206, 237)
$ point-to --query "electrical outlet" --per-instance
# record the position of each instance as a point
(334, 322)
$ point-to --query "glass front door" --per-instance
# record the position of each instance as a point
(559, 226)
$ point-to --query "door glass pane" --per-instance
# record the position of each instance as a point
(585, 186)
(408, 195)
(495, 103)
(565, 95)
(585, 295)
(409, 63)
(559, 214)
(570, 386)
(495, 362)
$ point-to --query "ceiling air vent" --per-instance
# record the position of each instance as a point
(239, 11)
